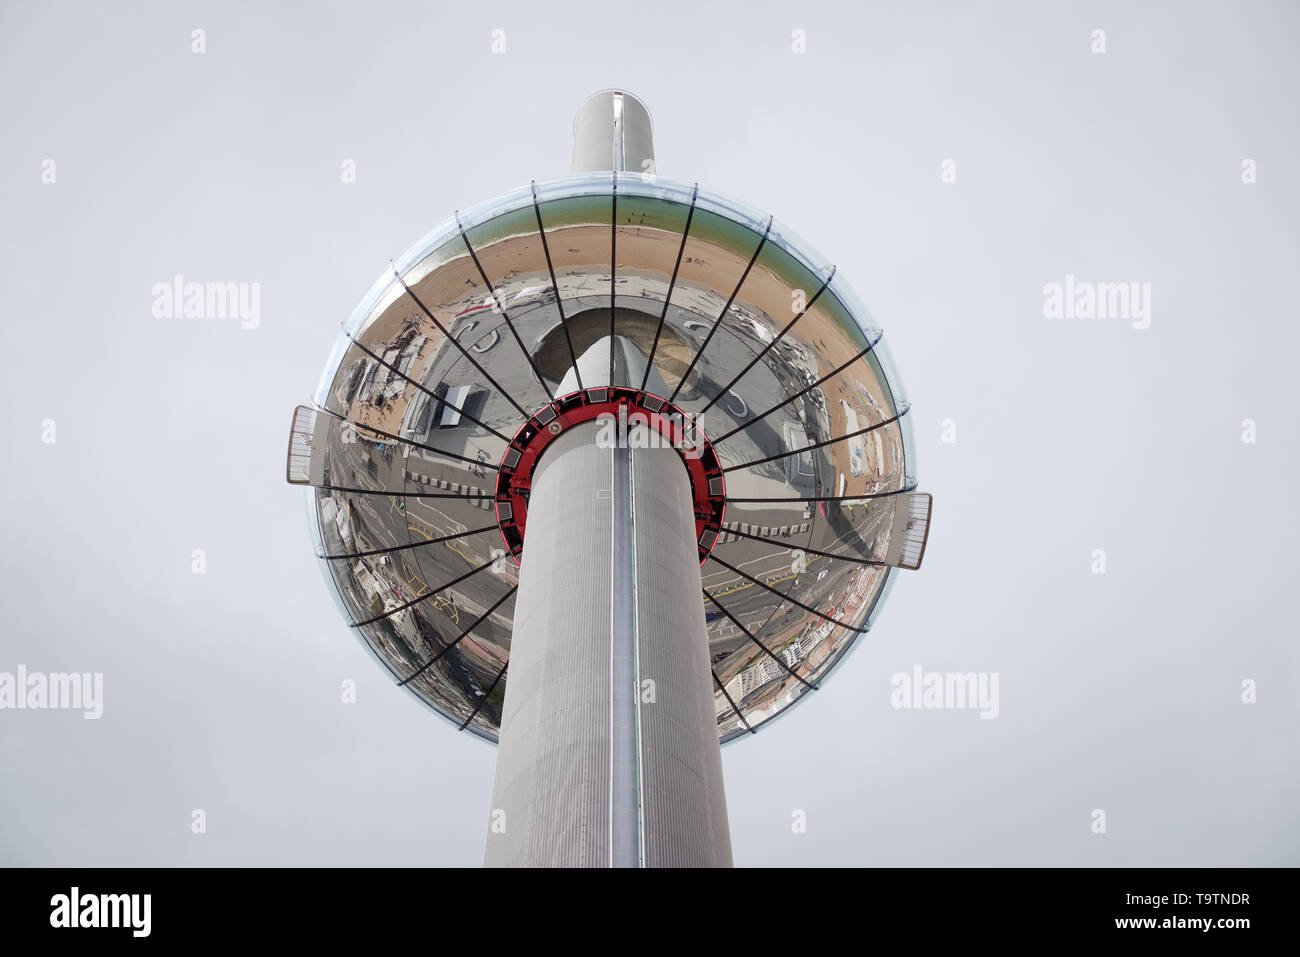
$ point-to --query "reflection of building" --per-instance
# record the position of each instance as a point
(753, 678)
(609, 611)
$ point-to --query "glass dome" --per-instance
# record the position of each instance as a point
(472, 331)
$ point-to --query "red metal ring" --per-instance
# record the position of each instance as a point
(514, 478)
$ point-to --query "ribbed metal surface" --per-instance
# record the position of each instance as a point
(552, 775)
(553, 778)
(685, 810)
(613, 131)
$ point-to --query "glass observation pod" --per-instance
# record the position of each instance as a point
(467, 343)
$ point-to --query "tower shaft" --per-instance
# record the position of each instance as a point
(613, 131)
(609, 750)
(608, 753)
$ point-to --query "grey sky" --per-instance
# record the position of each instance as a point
(222, 691)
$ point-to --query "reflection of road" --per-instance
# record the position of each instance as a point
(420, 631)
(838, 589)
(751, 604)
(859, 540)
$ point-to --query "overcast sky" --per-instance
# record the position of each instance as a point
(1120, 692)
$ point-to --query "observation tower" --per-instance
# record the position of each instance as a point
(610, 470)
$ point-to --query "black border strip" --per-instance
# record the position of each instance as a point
(456, 342)
(734, 707)
(672, 284)
(564, 322)
(771, 345)
(793, 601)
(499, 306)
(479, 707)
(785, 546)
(417, 445)
(433, 395)
(749, 634)
(802, 392)
(402, 548)
(438, 657)
(613, 265)
(488, 493)
(828, 498)
(819, 445)
(723, 315)
(430, 594)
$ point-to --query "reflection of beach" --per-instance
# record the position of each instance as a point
(385, 415)
(582, 252)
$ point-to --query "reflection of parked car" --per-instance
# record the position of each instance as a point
(794, 349)
(755, 326)
(540, 293)
(470, 310)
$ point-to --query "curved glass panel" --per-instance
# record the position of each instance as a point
(734, 318)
